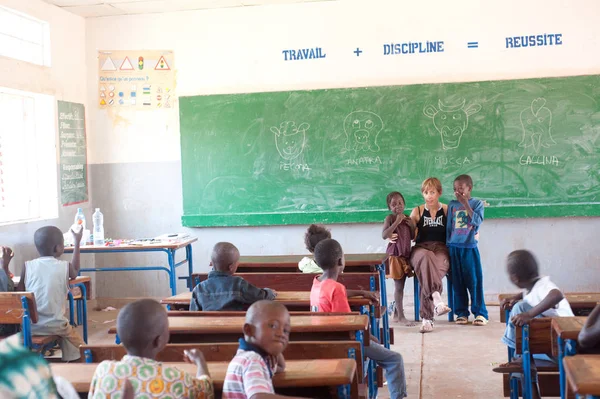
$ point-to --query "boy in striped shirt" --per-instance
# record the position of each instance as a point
(260, 355)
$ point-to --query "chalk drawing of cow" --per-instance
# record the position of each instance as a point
(451, 120)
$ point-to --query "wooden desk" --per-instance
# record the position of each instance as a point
(583, 373)
(293, 300)
(170, 248)
(320, 373)
(304, 328)
(565, 328)
(581, 302)
(355, 263)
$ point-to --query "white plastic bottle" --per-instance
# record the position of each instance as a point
(98, 219)
(80, 218)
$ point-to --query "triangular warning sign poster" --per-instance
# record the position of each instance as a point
(102, 102)
(162, 65)
(126, 65)
(108, 65)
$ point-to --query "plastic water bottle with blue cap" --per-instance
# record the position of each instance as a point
(98, 219)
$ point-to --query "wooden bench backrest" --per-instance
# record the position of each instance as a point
(580, 302)
(540, 336)
(227, 313)
(11, 308)
(301, 281)
(220, 352)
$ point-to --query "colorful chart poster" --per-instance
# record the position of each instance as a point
(73, 153)
(142, 79)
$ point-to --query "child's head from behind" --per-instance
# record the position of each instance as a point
(315, 234)
(268, 326)
(225, 257)
(463, 184)
(522, 268)
(143, 327)
(395, 202)
(431, 190)
(49, 241)
(329, 255)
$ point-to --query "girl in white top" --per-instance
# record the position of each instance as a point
(48, 278)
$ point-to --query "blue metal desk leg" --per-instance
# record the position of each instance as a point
(173, 272)
(386, 319)
(84, 311)
(417, 298)
(188, 254)
(450, 297)
(526, 364)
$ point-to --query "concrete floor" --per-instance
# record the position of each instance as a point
(452, 362)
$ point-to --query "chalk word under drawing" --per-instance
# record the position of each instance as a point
(453, 161)
(364, 161)
(538, 160)
(546, 39)
(303, 54)
(413, 48)
(294, 166)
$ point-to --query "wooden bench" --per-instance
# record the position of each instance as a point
(222, 352)
(583, 375)
(19, 308)
(304, 328)
(582, 303)
(314, 378)
(233, 313)
(539, 342)
(300, 301)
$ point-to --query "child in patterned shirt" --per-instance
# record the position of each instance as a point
(260, 355)
(143, 327)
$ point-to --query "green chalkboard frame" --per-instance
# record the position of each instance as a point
(557, 206)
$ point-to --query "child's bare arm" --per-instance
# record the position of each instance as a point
(551, 300)
(390, 224)
(589, 336)
(7, 255)
(197, 357)
(365, 294)
(74, 266)
(508, 303)
(21, 286)
(280, 363)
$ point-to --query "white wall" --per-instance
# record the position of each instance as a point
(66, 81)
(239, 50)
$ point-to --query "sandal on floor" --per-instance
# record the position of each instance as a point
(441, 309)
(462, 320)
(510, 367)
(480, 321)
(426, 327)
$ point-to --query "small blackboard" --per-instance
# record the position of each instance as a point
(73, 153)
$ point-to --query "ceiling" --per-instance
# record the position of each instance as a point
(103, 8)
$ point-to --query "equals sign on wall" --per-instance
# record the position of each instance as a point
(473, 44)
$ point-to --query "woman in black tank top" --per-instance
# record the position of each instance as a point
(429, 257)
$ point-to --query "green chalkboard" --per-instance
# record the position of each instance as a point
(73, 153)
(331, 156)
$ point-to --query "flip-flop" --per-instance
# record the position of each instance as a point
(441, 309)
(426, 327)
(462, 320)
(480, 321)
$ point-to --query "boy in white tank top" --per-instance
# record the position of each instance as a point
(48, 278)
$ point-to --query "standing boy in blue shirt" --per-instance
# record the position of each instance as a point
(465, 215)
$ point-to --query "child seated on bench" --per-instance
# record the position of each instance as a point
(260, 355)
(327, 295)
(143, 327)
(48, 278)
(313, 236)
(222, 290)
(541, 299)
(589, 336)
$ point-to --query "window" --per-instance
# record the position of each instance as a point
(28, 171)
(24, 38)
